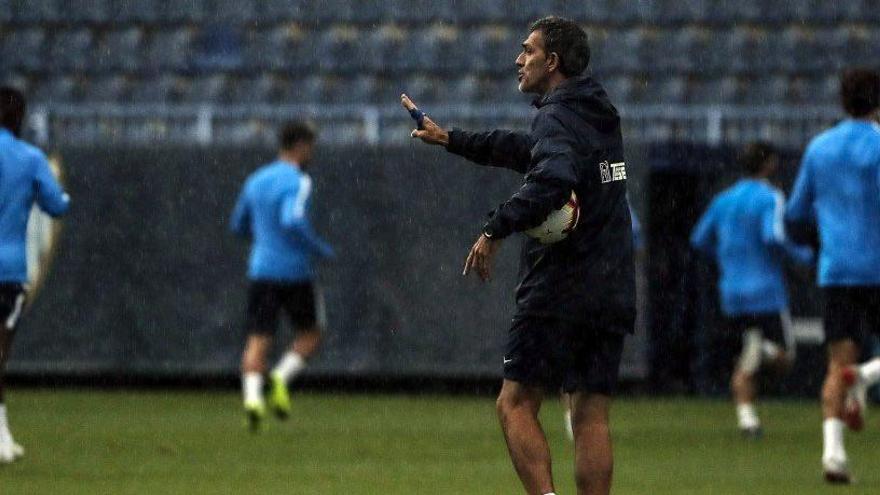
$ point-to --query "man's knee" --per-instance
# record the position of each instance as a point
(515, 398)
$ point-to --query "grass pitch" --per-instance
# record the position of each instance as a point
(88, 442)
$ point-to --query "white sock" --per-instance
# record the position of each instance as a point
(252, 386)
(747, 416)
(870, 371)
(289, 366)
(550, 493)
(832, 434)
(769, 350)
(3, 424)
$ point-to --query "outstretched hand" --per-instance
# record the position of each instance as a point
(481, 256)
(428, 131)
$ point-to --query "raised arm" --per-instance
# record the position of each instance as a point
(498, 148)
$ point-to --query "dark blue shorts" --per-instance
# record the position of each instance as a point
(267, 300)
(559, 355)
(851, 313)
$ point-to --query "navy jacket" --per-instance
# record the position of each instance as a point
(574, 144)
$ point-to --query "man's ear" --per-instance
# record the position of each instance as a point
(553, 62)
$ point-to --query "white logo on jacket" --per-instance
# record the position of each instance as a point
(612, 172)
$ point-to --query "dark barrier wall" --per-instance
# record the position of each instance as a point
(147, 278)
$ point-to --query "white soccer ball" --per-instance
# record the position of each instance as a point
(558, 224)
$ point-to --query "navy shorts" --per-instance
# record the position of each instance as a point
(12, 299)
(775, 327)
(559, 355)
(267, 300)
(851, 313)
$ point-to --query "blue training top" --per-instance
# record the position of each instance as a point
(743, 231)
(838, 190)
(272, 209)
(25, 177)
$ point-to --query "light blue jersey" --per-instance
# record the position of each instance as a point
(25, 178)
(742, 230)
(272, 209)
(838, 190)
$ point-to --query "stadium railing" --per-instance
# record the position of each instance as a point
(203, 125)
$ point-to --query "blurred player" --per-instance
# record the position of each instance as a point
(272, 210)
(576, 298)
(742, 231)
(837, 192)
(25, 179)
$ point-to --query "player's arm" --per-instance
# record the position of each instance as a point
(547, 185)
(773, 232)
(49, 194)
(294, 218)
(240, 222)
(799, 218)
(498, 148)
(703, 237)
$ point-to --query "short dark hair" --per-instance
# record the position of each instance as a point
(860, 91)
(12, 107)
(754, 157)
(569, 42)
(295, 132)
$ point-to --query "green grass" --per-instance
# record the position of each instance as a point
(87, 442)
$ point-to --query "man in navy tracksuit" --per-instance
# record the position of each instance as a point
(576, 298)
(25, 179)
(742, 231)
(837, 193)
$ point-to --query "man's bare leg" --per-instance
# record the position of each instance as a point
(841, 354)
(253, 366)
(594, 463)
(518, 408)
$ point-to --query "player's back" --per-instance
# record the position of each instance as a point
(24, 178)
(748, 249)
(844, 168)
(276, 254)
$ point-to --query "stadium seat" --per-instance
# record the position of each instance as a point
(86, 11)
(423, 88)
(164, 89)
(190, 11)
(678, 12)
(36, 11)
(341, 50)
(169, 49)
(767, 90)
(482, 12)
(386, 48)
(714, 91)
(275, 11)
(491, 49)
(310, 89)
(464, 89)
(70, 50)
(23, 49)
(120, 50)
(523, 12)
(142, 11)
(207, 89)
(59, 89)
(622, 52)
(668, 90)
(248, 89)
(6, 11)
(106, 89)
(218, 47)
(623, 13)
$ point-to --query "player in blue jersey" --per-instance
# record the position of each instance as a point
(743, 232)
(25, 179)
(272, 210)
(837, 196)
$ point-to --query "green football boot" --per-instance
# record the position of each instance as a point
(279, 397)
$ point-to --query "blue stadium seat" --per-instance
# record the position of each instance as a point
(678, 12)
(328, 12)
(340, 50)
(423, 88)
(191, 11)
(671, 89)
(230, 11)
(24, 49)
(263, 88)
(86, 11)
(620, 88)
(207, 89)
(592, 13)
(621, 52)
(714, 91)
(6, 11)
(164, 89)
(623, 12)
(218, 47)
(60, 89)
(753, 50)
(282, 11)
(799, 51)
(310, 89)
(70, 50)
(120, 50)
(481, 12)
(523, 12)
(503, 89)
(37, 11)
(767, 90)
(107, 89)
(386, 49)
(362, 89)
(491, 49)
(143, 11)
(448, 46)
(464, 89)
(169, 49)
